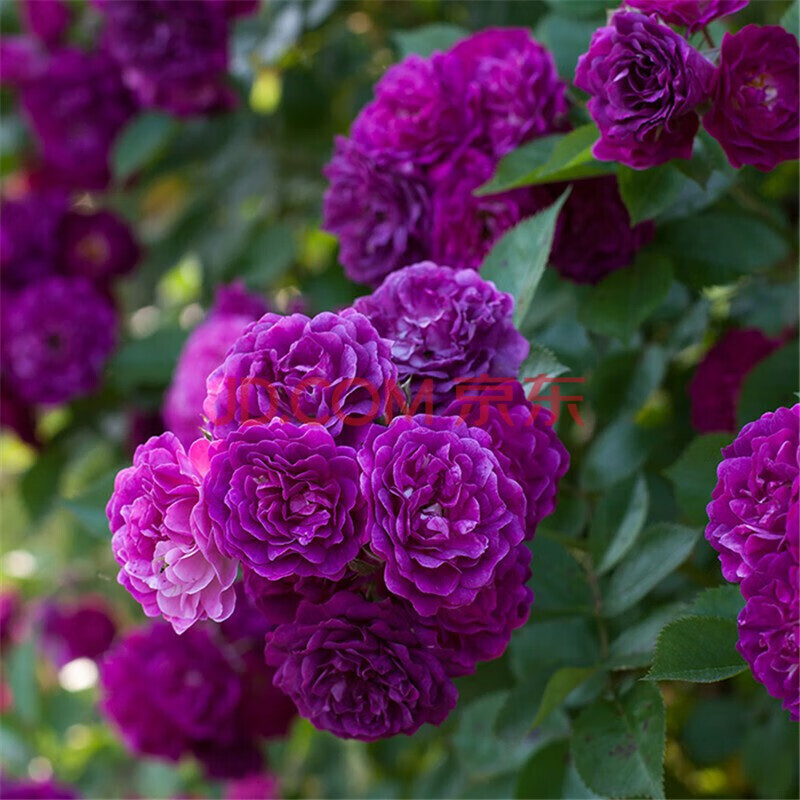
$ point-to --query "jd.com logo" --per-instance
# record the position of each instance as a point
(357, 401)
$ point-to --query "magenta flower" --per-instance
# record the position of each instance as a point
(99, 246)
(690, 14)
(519, 92)
(444, 325)
(284, 500)
(754, 97)
(46, 19)
(769, 625)
(160, 535)
(57, 336)
(333, 369)
(443, 511)
(360, 669)
(646, 83)
(757, 484)
(717, 381)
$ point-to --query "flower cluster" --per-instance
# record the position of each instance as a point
(384, 554)
(648, 87)
(754, 525)
(402, 185)
(58, 322)
(207, 692)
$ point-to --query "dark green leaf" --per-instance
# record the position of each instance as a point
(697, 649)
(618, 519)
(566, 39)
(149, 361)
(634, 647)
(559, 581)
(791, 19)
(617, 452)
(714, 730)
(558, 688)
(516, 262)
(22, 680)
(429, 39)
(724, 602)
(647, 193)
(39, 487)
(140, 142)
(541, 361)
(717, 247)
(625, 299)
(770, 384)
(560, 157)
(269, 255)
(543, 775)
(770, 755)
(618, 745)
(661, 549)
(694, 475)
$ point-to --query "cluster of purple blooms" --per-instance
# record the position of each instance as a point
(57, 265)
(649, 87)
(385, 556)
(402, 184)
(754, 525)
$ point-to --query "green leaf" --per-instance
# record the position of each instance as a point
(268, 257)
(791, 19)
(633, 648)
(40, 484)
(694, 475)
(697, 649)
(543, 774)
(566, 39)
(717, 247)
(516, 262)
(541, 361)
(770, 384)
(427, 40)
(558, 688)
(617, 452)
(618, 745)
(560, 157)
(724, 602)
(662, 548)
(22, 680)
(625, 299)
(715, 729)
(559, 582)
(141, 142)
(647, 193)
(89, 508)
(618, 520)
(147, 362)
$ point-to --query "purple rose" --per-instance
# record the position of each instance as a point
(46, 19)
(11, 789)
(10, 614)
(769, 626)
(263, 786)
(160, 535)
(284, 500)
(422, 112)
(717, 381)
(333, 369)
(29, 237)
(520, 94)
(757, 482)
(57, 336)
(523, 434)
(84, 629)
(443, 511)
(466, 226)
(482, 630)
(593, 235)
(99, 246)
(443, 325)
(379, 212)
(77, 105)
(645, 83)
(690, 14)
(168, 693)
(360, 669)
(754, 97)
(234, 309)
(173, 54)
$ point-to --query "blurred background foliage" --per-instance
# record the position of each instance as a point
(239, 196)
